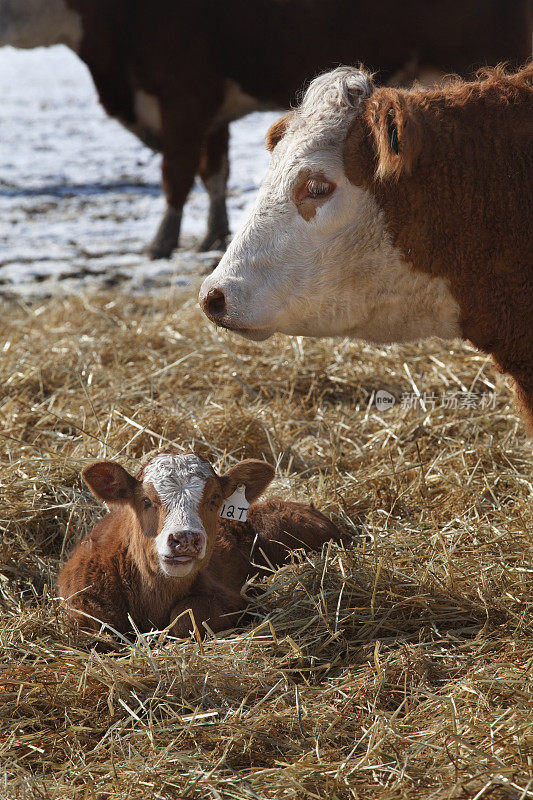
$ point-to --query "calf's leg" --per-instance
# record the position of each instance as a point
(88, 611)
(219, 611)
(283, 526)
(214, 172)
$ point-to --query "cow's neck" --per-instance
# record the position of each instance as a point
(405, 306)
(464, 214)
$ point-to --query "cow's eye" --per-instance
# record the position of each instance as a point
(317, 188)
(147, 502)
(215, 499)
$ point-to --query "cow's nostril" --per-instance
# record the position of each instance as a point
(215, 303)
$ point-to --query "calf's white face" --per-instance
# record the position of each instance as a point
(315, 257)
(176, 501)
(179, 481)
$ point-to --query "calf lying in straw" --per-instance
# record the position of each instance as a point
(164, 548)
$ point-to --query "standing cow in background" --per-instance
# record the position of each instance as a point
(392, 216)
(176, 72)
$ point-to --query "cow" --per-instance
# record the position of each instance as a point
(176, 72)
(392, 216)
(163, 557)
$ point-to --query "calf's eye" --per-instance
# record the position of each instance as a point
(147, 502)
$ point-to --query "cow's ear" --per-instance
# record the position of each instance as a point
(396, 132)
(276, 132)
(252, 474)
(110, 482)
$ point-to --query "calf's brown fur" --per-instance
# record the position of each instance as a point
(114, 573)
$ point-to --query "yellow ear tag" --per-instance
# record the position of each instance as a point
(236, 505)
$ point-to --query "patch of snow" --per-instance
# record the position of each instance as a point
(80, 196)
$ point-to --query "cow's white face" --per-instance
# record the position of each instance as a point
(39, 23)
(315, 257)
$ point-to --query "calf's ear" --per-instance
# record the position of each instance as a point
(255, 475)
(110, 482)
(396, 132)
(276, 132)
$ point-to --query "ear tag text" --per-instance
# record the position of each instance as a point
(236, 505)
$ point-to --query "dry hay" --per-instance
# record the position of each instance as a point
(397, 668)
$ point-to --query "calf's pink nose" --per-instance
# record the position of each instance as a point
(213, 303)
(185, 542)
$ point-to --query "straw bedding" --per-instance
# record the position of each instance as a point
(398, 667)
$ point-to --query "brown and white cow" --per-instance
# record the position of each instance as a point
(176, 72)
(392, 216)
(164, 549)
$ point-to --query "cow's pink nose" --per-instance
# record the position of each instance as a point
(214, 303)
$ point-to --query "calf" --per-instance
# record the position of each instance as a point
(164, 549)
(393, 216)
(176, 72)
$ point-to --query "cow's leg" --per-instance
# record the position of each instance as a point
(181, 158)
(214, 172)
(168, 234)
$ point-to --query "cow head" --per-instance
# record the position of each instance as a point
(38, 23)
(176, 501)
(315, 258)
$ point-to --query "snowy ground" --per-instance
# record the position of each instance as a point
(80, 196)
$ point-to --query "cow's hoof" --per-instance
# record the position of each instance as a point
(166, 238)
(213, 241)
(158, 249)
